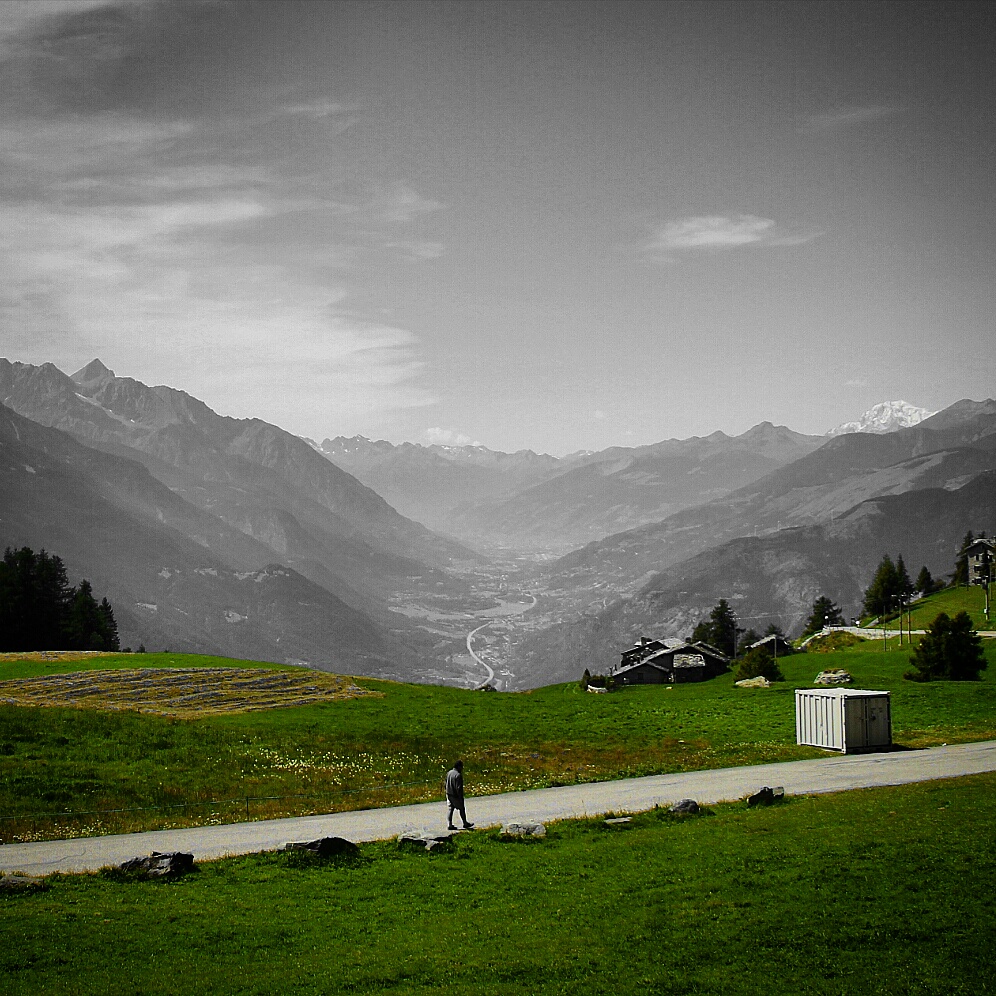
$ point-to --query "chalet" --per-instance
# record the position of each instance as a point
(670, 665)
(981, 561)
(640, 650)
(776, 643)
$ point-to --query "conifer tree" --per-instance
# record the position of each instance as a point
(882, 594)
(924, 582)
(824, 613)
(721, 630)
(960, 575)
(904, 586)
(40, 611)
(950, 650)
(108, 626)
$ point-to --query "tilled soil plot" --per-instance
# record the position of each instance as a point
(182, 692)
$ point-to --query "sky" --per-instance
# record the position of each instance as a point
(543, 225)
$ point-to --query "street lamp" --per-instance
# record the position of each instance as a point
(986, 561)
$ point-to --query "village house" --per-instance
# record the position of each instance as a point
(981, 561)
(667, 664)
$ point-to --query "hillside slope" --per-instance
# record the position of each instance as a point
(263, 481)
(176, 575)
(945, 451)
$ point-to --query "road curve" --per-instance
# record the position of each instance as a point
(836, 773)
(470, 650)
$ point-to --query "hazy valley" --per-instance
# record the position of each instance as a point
(235, 537)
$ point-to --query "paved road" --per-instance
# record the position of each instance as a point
(835, 773)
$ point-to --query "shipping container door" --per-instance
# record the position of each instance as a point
(877, 729)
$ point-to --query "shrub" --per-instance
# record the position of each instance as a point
(833, 641)
(757, 663)
(601, 681)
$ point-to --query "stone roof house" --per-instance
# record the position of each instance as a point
(670, 665)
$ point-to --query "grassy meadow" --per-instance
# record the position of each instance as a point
(883, 891)
(68, 771)
(952, 601)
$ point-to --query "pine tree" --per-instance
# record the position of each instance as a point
(950, 650)
(719, 630)
(924, 582)
(824, 613)
(723, 625)
(84, 619)
(904, 586)
(882, 594)
(759, 663)
(108, 626)
(34, 600)
(960, 575)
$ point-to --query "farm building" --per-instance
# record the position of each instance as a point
(671, 665)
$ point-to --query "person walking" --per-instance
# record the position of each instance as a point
(454, 796)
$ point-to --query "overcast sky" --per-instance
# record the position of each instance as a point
(544, 225)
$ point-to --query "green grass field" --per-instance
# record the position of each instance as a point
(885, 891)
(81, 772)
(952, 601)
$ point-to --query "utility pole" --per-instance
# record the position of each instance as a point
(987, 561)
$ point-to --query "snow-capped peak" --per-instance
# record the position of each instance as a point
(885, 417)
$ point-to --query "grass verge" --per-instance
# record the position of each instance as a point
(878, 891)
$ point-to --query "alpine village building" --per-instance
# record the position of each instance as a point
(654, 662)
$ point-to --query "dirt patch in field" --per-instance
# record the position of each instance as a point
(184, 693)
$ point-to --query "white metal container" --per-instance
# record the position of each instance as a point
(844, 719)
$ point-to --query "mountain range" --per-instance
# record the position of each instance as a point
(204, 496)
(232, 536)
(529, 502)
(819, 525)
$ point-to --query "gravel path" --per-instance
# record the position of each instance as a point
(834, 773)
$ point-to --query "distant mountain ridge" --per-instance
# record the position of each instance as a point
(267, 482)
(529, 501)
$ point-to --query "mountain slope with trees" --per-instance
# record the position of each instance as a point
(771, 578)
(177, 577)
(264, 482)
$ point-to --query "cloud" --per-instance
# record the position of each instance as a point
(449, 437)
(856, 382)
(19, 16)
(846, 117)
(399, 203)
(725, 232)
(195, 245)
